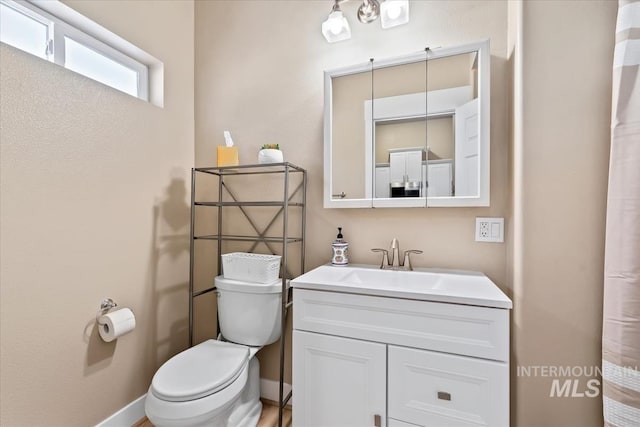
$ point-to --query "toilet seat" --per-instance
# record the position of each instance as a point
(197, 411)
(200, 371)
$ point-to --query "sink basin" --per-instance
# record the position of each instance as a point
(452, 286)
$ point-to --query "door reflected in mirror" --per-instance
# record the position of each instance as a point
(424, 140)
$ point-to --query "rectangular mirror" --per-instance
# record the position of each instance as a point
(410, 131)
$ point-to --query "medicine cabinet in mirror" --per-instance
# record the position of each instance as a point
(410, 131)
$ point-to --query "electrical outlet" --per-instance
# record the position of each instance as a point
(490, 230)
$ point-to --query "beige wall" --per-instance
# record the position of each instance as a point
(94, 205)
(259, 73)
(93, 186)
(562, 99)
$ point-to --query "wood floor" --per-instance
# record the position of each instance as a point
(268, 418)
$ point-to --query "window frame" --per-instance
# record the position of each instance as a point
(58, 29)
(38, 17)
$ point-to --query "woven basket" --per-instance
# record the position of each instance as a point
(248, 267)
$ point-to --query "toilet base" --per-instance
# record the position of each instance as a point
(248, 407)
(242, 411)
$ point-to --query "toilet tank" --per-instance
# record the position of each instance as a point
(249, 313)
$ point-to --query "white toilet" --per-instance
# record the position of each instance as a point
(217, 383)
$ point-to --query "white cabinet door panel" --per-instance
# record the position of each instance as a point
(397, 423)
(397, 167)
(439, 179)
(437, 389)
(382, 182)
(337, 381)
(413, 166)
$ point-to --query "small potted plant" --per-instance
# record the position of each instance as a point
(270, 153)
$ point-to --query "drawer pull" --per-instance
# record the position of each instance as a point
(443, 395)
(377, 420)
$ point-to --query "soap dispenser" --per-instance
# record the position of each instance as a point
(340, 250)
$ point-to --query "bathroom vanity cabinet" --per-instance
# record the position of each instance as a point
(367, 360)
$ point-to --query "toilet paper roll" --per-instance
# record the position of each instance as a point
(116, 323)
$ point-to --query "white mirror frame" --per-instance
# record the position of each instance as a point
(484, 95)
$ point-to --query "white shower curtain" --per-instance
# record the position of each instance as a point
(621, 317)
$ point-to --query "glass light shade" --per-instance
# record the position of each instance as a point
(368, 11)
(394, 13)
(336, 27)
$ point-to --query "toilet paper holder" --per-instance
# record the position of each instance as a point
(106, 305)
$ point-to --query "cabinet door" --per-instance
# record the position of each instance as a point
(338, 381)
(437, 389)
(413, 166)
(439, 176)
(396, 423)
(397, 166)
(382, 182)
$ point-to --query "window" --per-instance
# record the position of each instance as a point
(92, 64)
(46, 35)
(25, 30)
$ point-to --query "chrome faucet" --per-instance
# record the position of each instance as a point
(395, 253)
(395, 263)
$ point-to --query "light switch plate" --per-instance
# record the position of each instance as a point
(490, 230)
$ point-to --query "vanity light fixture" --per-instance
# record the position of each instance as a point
(392, 13)
(336, 27)
(368, 11)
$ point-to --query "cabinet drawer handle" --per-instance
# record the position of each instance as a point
(377, 420)
(443, 395)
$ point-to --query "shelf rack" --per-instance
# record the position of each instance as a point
(260, 237)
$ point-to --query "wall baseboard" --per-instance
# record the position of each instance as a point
(134, 411)
(127, 416)
(270, 389)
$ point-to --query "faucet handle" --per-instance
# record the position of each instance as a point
(385, 256)
(407, 258)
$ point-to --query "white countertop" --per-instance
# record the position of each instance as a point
(448, 286)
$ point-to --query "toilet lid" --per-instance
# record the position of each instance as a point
(199, 371)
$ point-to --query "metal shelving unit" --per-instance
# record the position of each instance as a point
(260, 237)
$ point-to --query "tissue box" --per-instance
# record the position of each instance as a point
(228, 156)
